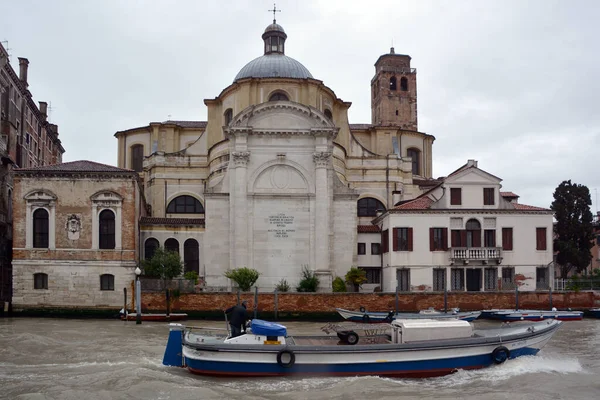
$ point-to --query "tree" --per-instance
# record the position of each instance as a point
(356, 277)
(573, 230)
(164, 265)
(243, 277)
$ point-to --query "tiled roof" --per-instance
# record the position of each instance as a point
(427, 182)
(360, 126)
(171, 221)
(188, 124)
(367, 229)
(421, 203)
(76, 166)
(509, 194)
(525, 207)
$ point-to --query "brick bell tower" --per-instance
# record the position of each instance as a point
(394, 92)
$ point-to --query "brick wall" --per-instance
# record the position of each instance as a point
(327, 302)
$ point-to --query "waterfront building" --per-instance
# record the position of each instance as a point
(75, 235)
(27, 139)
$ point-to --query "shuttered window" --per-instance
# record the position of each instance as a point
(507, 239)
(403, 240)
(455, 196)
(488, 196)
(540, 238)
(438, 239)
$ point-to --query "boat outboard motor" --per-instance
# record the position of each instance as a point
(389, 317)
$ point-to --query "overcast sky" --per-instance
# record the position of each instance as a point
(512, 84)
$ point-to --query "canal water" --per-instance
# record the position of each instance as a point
(109, 359)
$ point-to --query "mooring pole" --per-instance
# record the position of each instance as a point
(550, 297)
(138, 297)
(255, 301)
(168, 302)
(275, 303)
(397, 299)
(125, 302)
(238, 296)
(517, 298)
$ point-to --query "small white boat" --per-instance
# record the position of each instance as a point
(374, 317)
(533, 315)
(403, 348)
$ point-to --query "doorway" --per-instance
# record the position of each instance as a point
(473, 280)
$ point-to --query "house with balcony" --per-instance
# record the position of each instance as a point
(465, 234)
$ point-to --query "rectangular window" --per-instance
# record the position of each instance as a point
(541, 278)
(373, 274)
(457, 238)
(508, 278)
(489, 238)
(488, 196)
(107, 282)
(457, 276)
(455, 196)
(385, 240)
(375, 249)
(540, 238)
(403, 279)
(439, 279)
(507, 239)
(490, 278)
(361, 249)
(438, 239)
(40, 281)
(402, 239)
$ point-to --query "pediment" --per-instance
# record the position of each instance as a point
(106, 196)
(40, 195)
(473, 176)
(281, 117)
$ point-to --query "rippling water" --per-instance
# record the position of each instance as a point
(109, 359)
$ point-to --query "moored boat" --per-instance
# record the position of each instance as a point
(155, 317)
(593, 312)
(376, 317)
(535, 315)
(408, 348)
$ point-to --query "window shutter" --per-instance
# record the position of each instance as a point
(463, 239)
(410, 239)
(395, 238)
(431, 243)
(507, 239)
(445, 238)
(477, 238)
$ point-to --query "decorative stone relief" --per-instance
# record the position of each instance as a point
(240, 158)
(456, 223)
(73, 226)
(322, 158)
(489, 223)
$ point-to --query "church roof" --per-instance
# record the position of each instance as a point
(273, 65)
(368, 229)
(187, 124)
(76, 166)
(171, 221)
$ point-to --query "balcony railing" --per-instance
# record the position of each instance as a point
(484, 254)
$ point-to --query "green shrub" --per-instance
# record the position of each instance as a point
(338, 285)
(243, 277)
(309, 281)
(356, 277)
(164, 264)
(191, 276)
(283, 286)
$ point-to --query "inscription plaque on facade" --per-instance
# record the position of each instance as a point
(281, 225)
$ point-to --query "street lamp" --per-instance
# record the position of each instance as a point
(138, 296)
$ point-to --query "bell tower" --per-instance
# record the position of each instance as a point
(394, 92)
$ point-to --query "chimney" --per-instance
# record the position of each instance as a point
(44, 109)
(23, 65)
(472, 163)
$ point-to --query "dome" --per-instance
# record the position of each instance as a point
(273, 65)
(274, 27)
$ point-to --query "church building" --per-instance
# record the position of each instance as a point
(277, 179)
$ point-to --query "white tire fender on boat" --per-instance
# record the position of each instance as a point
(289, 363)
(500, 354)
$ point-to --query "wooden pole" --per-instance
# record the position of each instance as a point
(445, 299)
(275, 303)
(517, 298)
(255, 301)
(168, 301)
(125, 302)
(397, 288)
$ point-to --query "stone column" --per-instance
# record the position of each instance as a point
(240, 208)
(322, 160)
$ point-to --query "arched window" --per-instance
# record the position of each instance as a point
(40, 228)
(172, 245)
(328, 115)
(107, 282)
(40, 281)
(107, 230)
(185, 205)
(393, 83)
(278, 96)
(228, 116)
(473, 225)
(191, 255)
(137, 157)
(368, 206)
(414, 155)
(150, 247)
(404, 84)
(473, 234)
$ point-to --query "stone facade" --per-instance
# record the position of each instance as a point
(65, 249)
